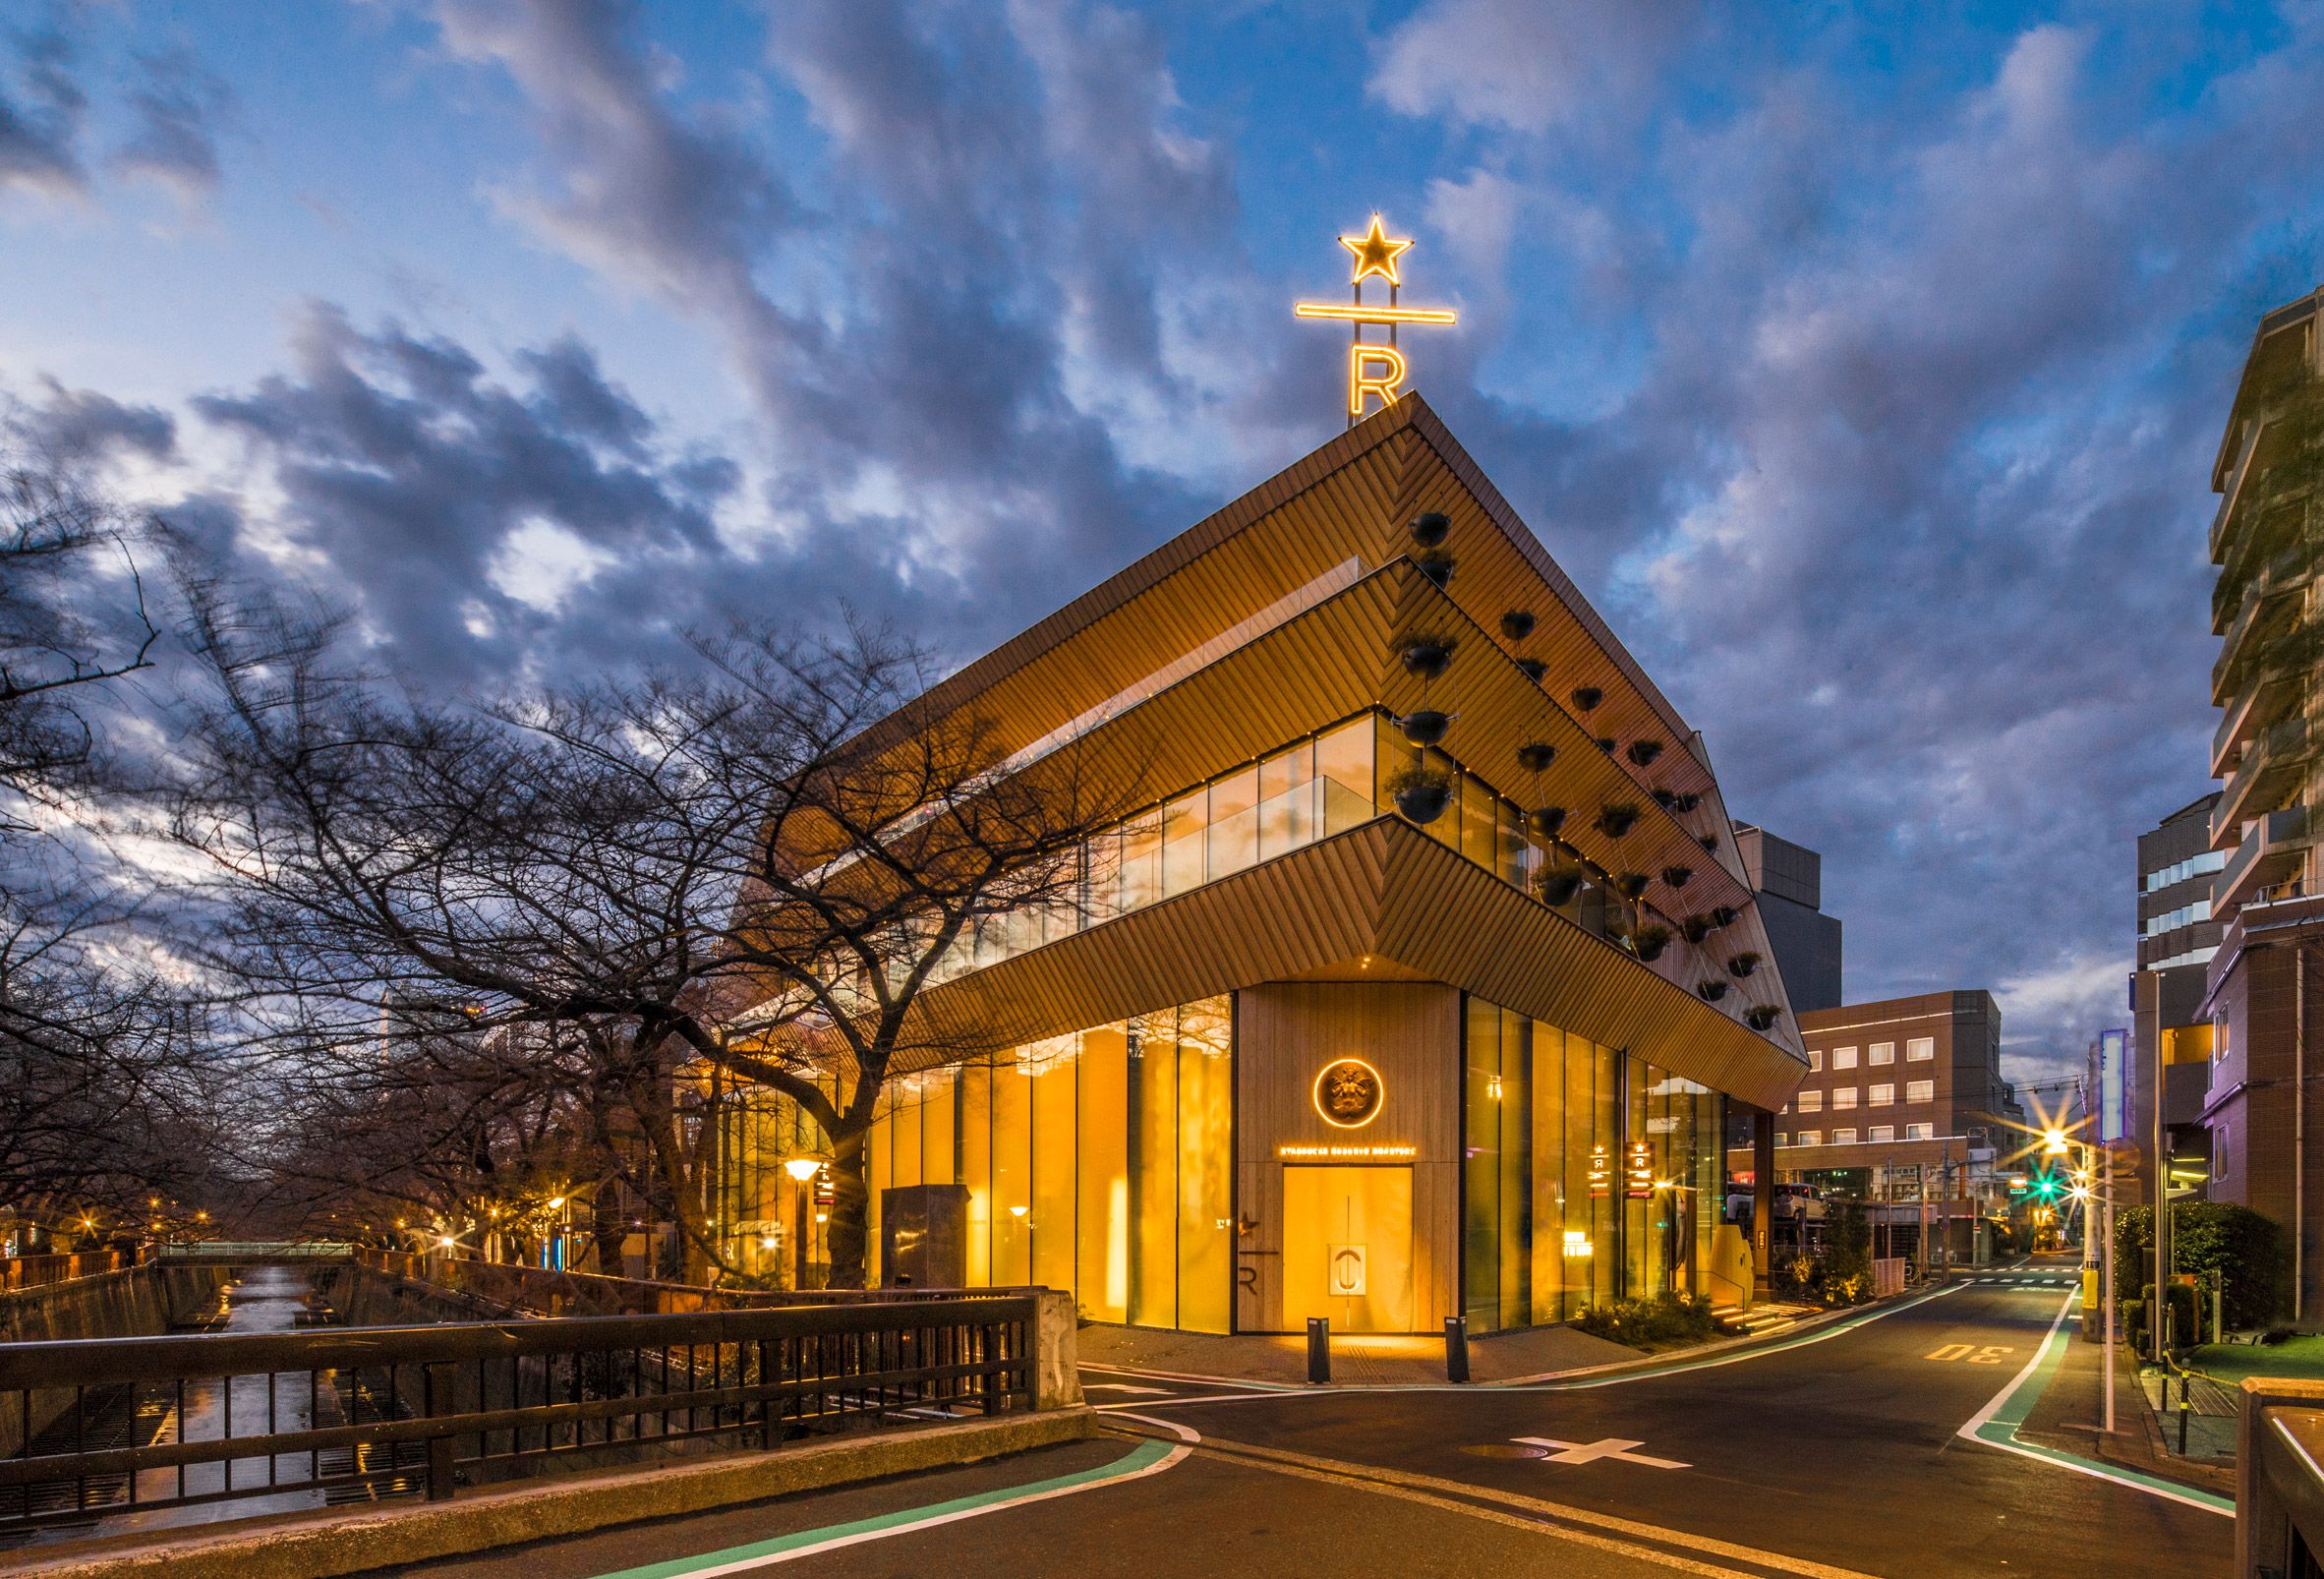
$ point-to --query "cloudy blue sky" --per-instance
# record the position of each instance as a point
(1864, 366)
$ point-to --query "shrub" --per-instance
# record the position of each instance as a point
(1663, 1318)
(2206, 1236)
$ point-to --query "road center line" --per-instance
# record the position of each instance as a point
(1618, 1532)
(1996, 1425)
(1148, 1458)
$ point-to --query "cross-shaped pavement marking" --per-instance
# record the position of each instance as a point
(1614, 1448)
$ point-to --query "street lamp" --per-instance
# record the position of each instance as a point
(801, 1169)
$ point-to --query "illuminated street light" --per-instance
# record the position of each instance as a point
(2054, 1142)
(801, 1168)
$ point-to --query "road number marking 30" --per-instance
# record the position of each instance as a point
(1977, 1354)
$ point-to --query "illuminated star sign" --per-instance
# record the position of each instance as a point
(1373, 368)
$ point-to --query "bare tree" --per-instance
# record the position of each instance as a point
(733, 870)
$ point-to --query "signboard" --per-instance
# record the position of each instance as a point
(1344, 1270)
(1601, 1174)
(1639, 1171)
(1311, 1151)
(1905, 1181)
(1348, 1093)
(2113, 1058)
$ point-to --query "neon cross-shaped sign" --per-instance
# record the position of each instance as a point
(1374, 370)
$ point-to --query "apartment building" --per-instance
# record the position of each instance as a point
(2259, 1114)
(2178, 939)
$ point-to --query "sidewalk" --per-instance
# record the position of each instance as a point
(1410, 1360)
(2070, 1414)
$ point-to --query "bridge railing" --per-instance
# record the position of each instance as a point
(338, 1412)
(546, 1292)
(255, 1250)
(39, 1271)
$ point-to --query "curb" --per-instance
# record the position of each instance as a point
(328, 1544)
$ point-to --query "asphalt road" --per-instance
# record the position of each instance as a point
(1833, 1457)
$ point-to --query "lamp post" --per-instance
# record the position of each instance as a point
(801, 1169)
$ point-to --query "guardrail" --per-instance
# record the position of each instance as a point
(511, 1286)
(255, 1249)
(2279, 1479)
(385, 1411)
(39, 1271)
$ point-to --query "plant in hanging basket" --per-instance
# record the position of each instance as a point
(1616, 820)
(1434, 563)
(1425, 726)
(1760, 1016)
(1742, 965)
(1723, 916)
(1632, 885)
(1420, 793)
(1605, 744)
(1686, 802)
(1644, 752)
(1425, 657)
(1533, 669)
(1557, 883)
(1668, 799)
(1711, 988)
(1587, 697)
(1678, 876)
(1648, 941)
(1709, 844)
(1535, 755)
(1695, 929)
(1545, 822)
(1428, 528)
(1516, 625)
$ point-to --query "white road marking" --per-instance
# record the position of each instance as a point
(1123, 1387)
(1614, 1448)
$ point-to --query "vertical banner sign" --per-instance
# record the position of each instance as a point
(1640, 1168)
(1601, 1174)
(2114, 1052)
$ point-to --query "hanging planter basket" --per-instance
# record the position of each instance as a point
(1742, 965)
(1545, 822)
(1722, 915)
(1678, 876)
(1709, 844)
(1425, 657)
(1648, 941)
(1533, 669)
(1437, 564)
(1616, 820)
(1685, 803)
(1557, 886)
(1424, 727)
(1644, 752)
(1760, 1016)
(1430, 528)
(1712, 989)
(1587, 697)
(1695, 929)
(1668, 799)
(1516, 625)
(1420, 793)
(1535, 755)
(1632, 885)
(1605, 744)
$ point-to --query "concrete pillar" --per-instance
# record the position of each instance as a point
(1762, 1202)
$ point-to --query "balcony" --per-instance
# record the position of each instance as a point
(2268, 607)
(2271, 769)
(2261, 702)
(2270, 854)
(2233, 490)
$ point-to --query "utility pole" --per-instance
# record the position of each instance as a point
(2107, 1218)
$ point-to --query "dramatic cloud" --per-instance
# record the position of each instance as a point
(179, 107)
(41, 110)
(1528, 65)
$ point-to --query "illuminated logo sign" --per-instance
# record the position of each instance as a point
(1346, 1270)
(1639, 1171)
(1601, 1174)
(1348, 1093)
(1301, 1152)
(1374, 370)
(1577, 1245)
(2114, 1055)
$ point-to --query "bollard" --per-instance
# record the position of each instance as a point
(2183, 1414)
(1456, 1348)
(1318, 1349)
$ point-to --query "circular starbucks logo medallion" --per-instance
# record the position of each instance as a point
(1348, 1093)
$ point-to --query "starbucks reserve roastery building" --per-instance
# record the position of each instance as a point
(1301, 1048)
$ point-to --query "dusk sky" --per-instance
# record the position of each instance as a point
(1867, 376)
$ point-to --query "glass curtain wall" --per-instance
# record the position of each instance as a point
(759, 1208)
(1549, 1226)
(1323, 785)
(1097, 1162)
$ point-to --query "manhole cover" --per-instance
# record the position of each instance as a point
(1505, 1451)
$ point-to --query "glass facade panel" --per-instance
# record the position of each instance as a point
(1234, 823)
(1288, 789)
(1184, 822)
(1100, 1163)
(1142, 860)
(1344, 768)
(1481, 1167)
(1552, 1265)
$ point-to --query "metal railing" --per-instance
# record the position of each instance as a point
(109, 1426)
(39, 1271)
